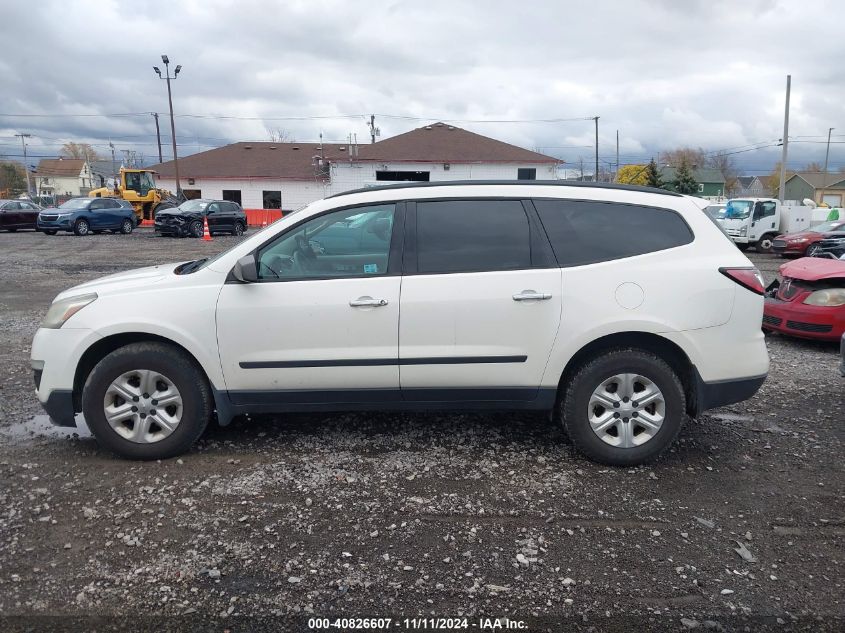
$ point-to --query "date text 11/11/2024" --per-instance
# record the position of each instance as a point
(417, 624)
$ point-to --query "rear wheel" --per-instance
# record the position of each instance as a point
(147, 401)
(82, 227)
(126, 226)
(239, 229)
(624, 407)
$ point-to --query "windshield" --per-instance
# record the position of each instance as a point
(193, 205)
(824, 227)
(75, 203)
(738, 209)
(715, 211)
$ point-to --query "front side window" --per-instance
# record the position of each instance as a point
(472, 236)
(347, 243)
(765, 209)
(586, 232)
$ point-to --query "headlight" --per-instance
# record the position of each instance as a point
(799, 240)
(831, 297)
(62, 310)
(743, 230)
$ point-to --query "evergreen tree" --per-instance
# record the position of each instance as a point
(653, 178)
(684, 180)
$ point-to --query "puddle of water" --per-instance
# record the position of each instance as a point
(40, 426)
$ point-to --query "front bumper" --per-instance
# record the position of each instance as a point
(790, 249)
(179, 230)
(61, 224)
(804, 321)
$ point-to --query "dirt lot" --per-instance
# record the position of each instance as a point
(274, 520)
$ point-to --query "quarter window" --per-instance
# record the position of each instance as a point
(347, 243)
(472, 236)
(585, 232)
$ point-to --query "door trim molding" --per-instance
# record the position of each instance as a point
(377, 362)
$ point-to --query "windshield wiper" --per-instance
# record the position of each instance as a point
(190, 267)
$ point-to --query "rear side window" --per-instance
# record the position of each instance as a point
(585, 232)
(472, 236)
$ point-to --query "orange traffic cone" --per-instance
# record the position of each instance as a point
(206, 234)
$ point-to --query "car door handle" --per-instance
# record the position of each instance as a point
(368, 302)
(531, 295)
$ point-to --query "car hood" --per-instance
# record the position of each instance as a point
(794, 236)
(813, 269)
(123, 281)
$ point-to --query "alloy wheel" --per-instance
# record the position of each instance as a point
(626, 410)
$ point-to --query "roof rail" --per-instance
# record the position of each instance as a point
(556, 183)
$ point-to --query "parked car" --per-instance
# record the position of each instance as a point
(512, 297)
(716, 210)
(187, 219)
(806, 243)
(18, 214)
(831, 247)
(84, 216)
(810, 301)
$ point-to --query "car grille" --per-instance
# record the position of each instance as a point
(49, 218)
(733, 232)
(772, 320)
(779, 243)
(808, 327)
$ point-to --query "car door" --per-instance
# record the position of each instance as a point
(481, 301)
(214, 214)
(29, 214)
(10, 215)
(228, 220)
(96, 214)
(318, 327)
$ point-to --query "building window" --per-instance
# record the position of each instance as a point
(272, 199)
(232, 195)
(415, 176)
(192, 194)
(526, 173)
(832, 199)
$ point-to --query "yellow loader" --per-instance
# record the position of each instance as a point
(138, 187)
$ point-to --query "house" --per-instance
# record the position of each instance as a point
(711, 181)
(749, 187)
(63, 177)
(817, 186)
(286, 176)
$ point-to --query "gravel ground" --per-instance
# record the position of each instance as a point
(276, 519)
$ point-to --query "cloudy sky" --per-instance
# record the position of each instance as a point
(665, 73)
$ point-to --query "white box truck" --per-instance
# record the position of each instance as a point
(756, 221)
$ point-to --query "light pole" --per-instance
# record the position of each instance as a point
(172, 124)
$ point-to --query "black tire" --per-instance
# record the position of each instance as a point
(169, 361)
(127, 226)
(575, 403)
(12, 230)
(51, 231)
(742, 247)
(82, 227)
(813, 250)
(239, 229)
(764, 244)
(195, 229)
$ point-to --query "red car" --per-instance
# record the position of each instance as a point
(806, 242)
(810, 301)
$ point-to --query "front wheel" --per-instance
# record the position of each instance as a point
(147, 401)
(195, 229)
(813, 250)
(624, 407)
(765, 244)
(82, 227)
(126, 226)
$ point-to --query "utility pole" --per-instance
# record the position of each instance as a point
(25, 165)
(581, 159)
(596, 177)
(782, 185)
(167, 76)
(113, 167)
(158, 137)
(617, 155)
(373, 128)
(826, 156)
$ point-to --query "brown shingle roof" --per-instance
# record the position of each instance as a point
(60, 167)
(437, 143)
(442, 143)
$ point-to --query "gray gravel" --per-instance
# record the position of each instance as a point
(273, 519)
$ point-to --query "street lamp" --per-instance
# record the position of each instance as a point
(167, 77)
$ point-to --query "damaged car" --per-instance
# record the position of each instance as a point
(809, 302)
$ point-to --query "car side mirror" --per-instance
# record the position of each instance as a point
(245, 270)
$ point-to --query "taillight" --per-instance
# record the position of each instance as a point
(749, 278)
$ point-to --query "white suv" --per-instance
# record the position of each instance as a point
(621, 309)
